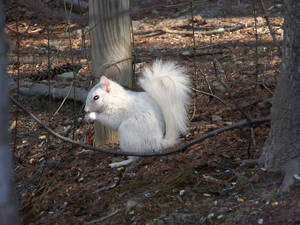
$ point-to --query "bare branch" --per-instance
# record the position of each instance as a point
(206, 93)
(179, 148)
(218, 67)
(262, 5)
(217, 31)
(65, 98)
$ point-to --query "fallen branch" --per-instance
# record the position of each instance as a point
(187, 32)
(216, 31)
(203, 54)
(40, 89)
(144, 34)
(179, 148)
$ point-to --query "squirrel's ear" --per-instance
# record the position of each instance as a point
(105, 83)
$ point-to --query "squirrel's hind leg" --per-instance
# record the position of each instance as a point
(124, 162)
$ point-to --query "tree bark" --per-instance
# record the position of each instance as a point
(8, 209)
(281, 150)
(110, 43)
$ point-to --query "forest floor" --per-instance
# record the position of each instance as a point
(217, 181)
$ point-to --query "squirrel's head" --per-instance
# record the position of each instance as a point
(97, 97)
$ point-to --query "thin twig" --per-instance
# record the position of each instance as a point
(65, 98)
(256, 43)
(18, 81)
(206, 93)
(206, 81)
(204, 54)
(172, 150)
(216, 31)
(192, 32)
(265, 86)
(194, 111)
(133, 54)
(146, 34)
(102, 218)
(194, 61)
(72, 59)
(253, 138)
(216, 64)
(49, 61)
(17, 32)
(46, 148)
(262, 5)
(106, 66)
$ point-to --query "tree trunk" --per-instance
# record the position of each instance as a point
(281, 151)
(8, 209)
(110, 44)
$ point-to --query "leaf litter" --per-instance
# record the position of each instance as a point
(213, 182)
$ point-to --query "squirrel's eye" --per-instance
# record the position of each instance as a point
(96, 97)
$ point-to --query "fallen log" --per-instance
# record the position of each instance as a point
(42, 89)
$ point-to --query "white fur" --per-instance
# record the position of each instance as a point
(124, 162)
(148, 120)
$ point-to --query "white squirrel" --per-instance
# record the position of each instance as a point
(146, 121)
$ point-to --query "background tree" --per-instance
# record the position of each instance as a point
(8, 209)
(281, 151)
(110, 45)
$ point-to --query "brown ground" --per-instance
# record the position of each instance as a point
(212, 182)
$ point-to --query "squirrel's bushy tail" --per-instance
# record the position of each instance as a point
(168, 85)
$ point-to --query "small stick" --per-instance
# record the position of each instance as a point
(217, 31)
(256, 43)
(194, 60)
(253, 138)
(206, 93)
(18, 81)
(262, 5)
(65, 98)
(216, 62)
(102, 218)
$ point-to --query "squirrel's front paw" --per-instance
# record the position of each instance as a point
(90, 117)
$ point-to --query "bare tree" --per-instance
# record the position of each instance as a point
(8, 209)
(110, 48)
(281, 151)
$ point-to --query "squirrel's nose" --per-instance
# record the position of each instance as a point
(86, 109)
